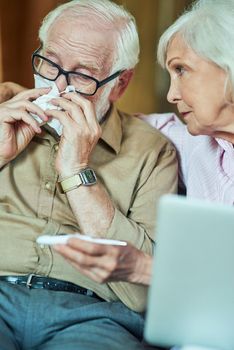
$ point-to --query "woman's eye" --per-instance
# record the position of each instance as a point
(179, 70)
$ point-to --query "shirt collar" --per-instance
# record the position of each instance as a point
(112, 130)
(226, 145)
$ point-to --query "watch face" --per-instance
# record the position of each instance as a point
(88, 177)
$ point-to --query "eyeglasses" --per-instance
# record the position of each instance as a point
(84, 84)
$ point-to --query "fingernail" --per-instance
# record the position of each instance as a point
(54, 101)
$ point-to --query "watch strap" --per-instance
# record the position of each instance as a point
(71, 183)
(86, 177)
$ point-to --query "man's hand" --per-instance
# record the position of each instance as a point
(9, 90)
(91, 205)
(17, 126)
(81, 132)
(106, 263)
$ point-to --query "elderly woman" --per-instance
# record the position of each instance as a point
(197, 50)
(197, 53)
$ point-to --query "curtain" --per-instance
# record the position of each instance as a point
(20, 20)
(1, 67)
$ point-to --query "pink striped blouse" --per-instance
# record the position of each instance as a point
(206, 163)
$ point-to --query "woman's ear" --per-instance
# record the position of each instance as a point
(121, 86)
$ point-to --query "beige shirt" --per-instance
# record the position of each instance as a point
(134, 162)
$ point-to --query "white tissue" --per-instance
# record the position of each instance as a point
(44, 101)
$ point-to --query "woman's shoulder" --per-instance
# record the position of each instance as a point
(175, 130)
(163, 121)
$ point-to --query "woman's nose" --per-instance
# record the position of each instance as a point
(173, 95)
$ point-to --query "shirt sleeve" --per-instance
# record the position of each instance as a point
(157, 178)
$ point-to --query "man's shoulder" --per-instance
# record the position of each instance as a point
(140, 130)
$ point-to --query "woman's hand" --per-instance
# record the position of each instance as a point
(106, 263)
(17, 126)
(9, 90)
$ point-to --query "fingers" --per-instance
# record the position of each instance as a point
(20, 111)
(85, 105)
(79, 109)
(90, 254)
(90, 266)
(31, 94)
(20, 104)
(69, 126)
(77, 256)
(95, 275)
(28, 107)
(102, 263)
(104, 260)
(74, 110)
(89, 248)
(18, 115)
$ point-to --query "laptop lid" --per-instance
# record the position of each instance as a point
(191, 298)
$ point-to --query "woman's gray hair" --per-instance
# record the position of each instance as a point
(127, 44)
(208, 29)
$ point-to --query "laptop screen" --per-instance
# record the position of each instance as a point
(191, 297)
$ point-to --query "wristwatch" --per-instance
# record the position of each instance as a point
(86, 177)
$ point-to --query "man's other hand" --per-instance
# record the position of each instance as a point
(107, 263)
(17, 126)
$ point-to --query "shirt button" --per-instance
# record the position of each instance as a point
(56, 147)
(48, 185)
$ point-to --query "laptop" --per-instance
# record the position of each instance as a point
(191, 297)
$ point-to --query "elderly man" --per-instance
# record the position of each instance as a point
(123, 166)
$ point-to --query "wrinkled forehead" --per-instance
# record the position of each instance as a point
(75, 27)
(79, 36)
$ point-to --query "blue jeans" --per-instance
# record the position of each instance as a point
(39, 319)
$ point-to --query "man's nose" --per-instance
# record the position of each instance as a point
(61, 82)
(173, 95)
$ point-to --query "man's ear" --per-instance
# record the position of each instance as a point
(121, 86)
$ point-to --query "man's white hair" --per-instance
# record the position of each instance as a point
(208, 29)
(126, 55)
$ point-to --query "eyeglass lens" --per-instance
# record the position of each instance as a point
(49, 71)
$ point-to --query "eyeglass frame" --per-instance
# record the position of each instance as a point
(66, 73)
